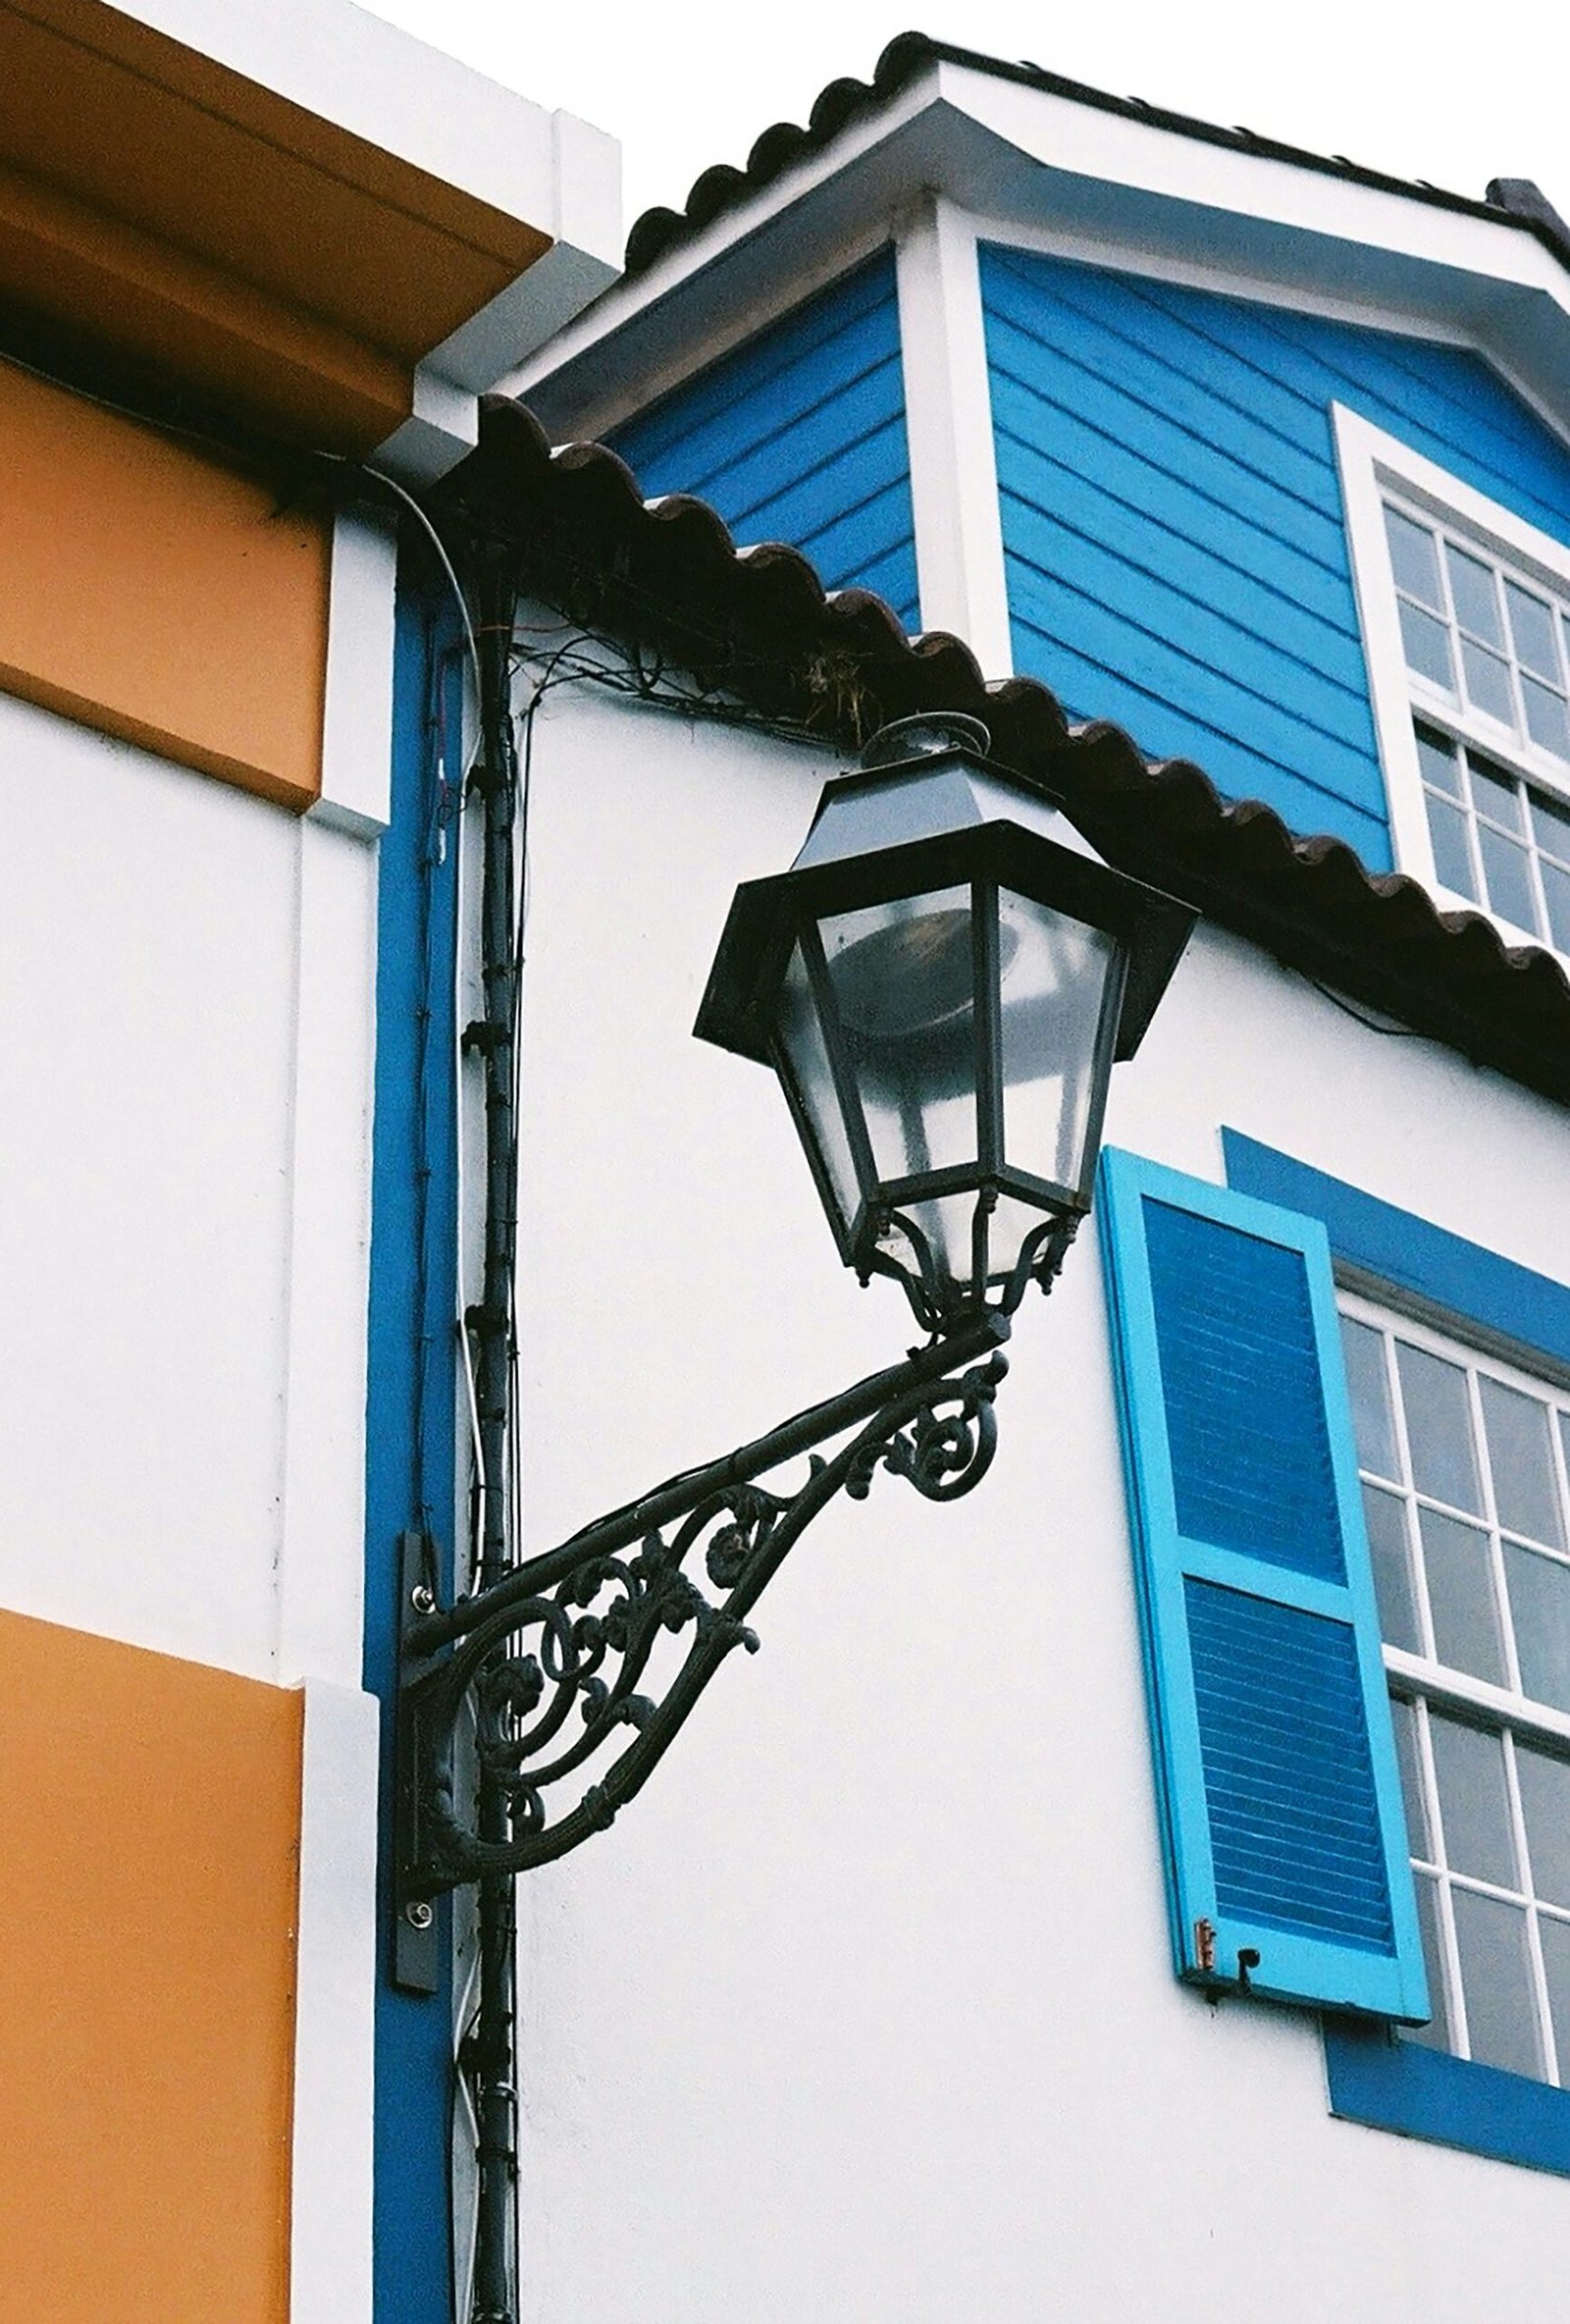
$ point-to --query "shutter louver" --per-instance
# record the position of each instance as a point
(1274, 1750)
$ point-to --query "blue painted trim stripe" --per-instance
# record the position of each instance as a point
(1390, 2085)
(1409, 1252)
(410, 1429)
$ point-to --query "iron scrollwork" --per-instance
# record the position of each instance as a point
(530, 1683)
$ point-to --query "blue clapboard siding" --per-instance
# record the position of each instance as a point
(1171, 517)
(799, 436)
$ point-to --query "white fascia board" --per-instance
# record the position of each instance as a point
(444, 425)
(350, 68)
(814, 222)
(1260, 191)
(1118, 191)
(582, 261)
(520, 319)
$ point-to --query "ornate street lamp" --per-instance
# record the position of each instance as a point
(942, 981)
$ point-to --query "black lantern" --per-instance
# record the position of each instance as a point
(943, 981)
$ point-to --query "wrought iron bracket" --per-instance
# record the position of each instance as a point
(533, 1682)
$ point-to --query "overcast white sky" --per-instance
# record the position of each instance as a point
(1434, 92)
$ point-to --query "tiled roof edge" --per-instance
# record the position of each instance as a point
(724, 187)
(665, 579)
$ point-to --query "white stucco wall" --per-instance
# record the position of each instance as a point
(153, 927)
(187, 1042)
(864, 2012)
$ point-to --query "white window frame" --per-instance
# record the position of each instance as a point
(1441, 1686)
(1375, 465)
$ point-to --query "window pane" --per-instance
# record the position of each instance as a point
(1436, 2035)
(1497, 1981)
(1487, 683)
(1521, 1458)
(1366, 1378)
(1438, 761)
(1546, 1804)
(1550, 824)
(1438, 1427)
(1555, 1939)
(1452, 857)
(1494, 793)
(1547, 722)
(1532, 628)
(1474, 1805)
(1476, 595)
(1413, 559)
(1386, 1518)
(1540, 1607)
(1403, 1718)
(1460, 1578)
(1556, 895)
(1507, 877)
(1428, 645)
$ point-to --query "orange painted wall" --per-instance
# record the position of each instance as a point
(149, 1821)
(153, 591)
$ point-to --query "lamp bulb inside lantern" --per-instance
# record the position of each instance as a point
(914, 977)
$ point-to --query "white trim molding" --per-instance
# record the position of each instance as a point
(356, 794)
(1375, 466)
(948, 424)
(335, 2014)
(321, 1550)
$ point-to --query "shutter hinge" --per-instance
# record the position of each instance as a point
(1205, 1956)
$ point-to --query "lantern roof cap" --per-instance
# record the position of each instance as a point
(922, 779)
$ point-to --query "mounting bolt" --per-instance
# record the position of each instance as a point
(423, 1598)
(418, 1915)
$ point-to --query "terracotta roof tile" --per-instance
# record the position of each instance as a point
(911, 53)
(665, 578)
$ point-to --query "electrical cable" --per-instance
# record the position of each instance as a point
(1400, 1032)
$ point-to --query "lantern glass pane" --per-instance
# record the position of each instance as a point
(1013, 1219)
(801, 1036)
(1054, 975)
(947, 1223)
(903, 982)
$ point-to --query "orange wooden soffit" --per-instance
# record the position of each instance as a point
(153, 593)
(174, 209)
(150, 1826)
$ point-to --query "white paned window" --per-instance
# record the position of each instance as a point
(1467, 1496)
(1466, 621)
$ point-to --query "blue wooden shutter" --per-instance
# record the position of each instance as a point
(1274, 1758)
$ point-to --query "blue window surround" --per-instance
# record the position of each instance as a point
(1375, 2079)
